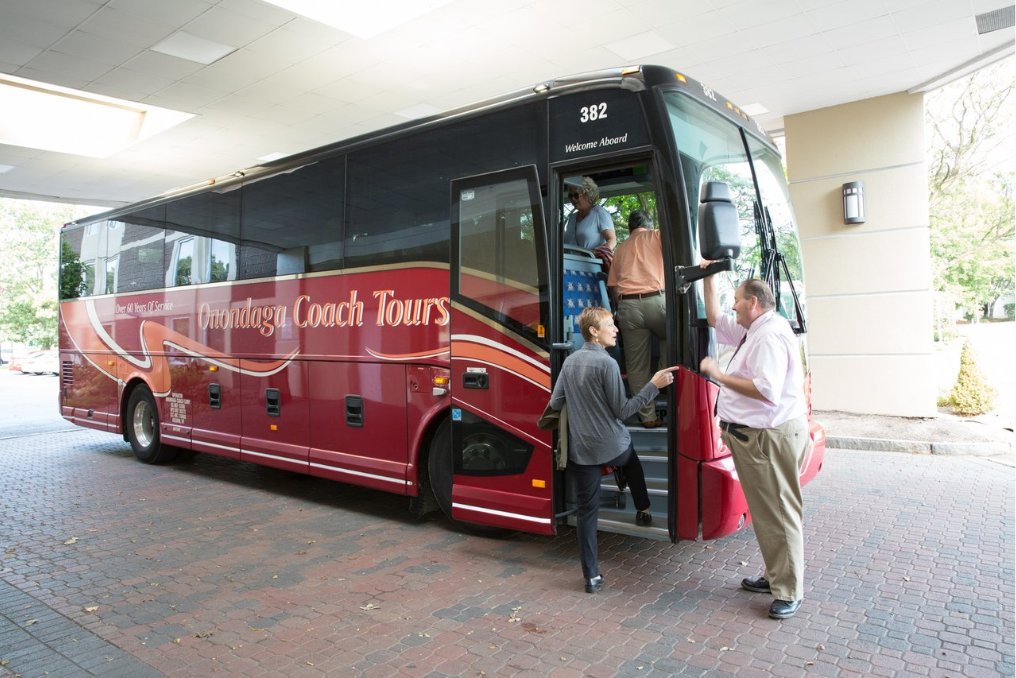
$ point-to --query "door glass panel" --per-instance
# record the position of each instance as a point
(499, 260)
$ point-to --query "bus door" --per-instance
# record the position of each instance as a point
(622, 186)
(503, 468)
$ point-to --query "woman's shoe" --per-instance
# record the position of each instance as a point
(643, 518)
(595, 584)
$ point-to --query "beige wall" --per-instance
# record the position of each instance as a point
(868, 285)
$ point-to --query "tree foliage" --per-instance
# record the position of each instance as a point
(620, 206)
(72, 273)
(28, 269)
(971, 183)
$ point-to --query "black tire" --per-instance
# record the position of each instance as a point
(439, 467)
(142, 425)
(440, 471)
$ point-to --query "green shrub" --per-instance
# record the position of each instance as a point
(971, 395)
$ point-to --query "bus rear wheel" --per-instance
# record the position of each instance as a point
(142, 424)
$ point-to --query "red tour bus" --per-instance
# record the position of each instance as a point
(391, 310)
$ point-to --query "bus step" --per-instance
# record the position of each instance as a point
(623, 523)
(648, 440)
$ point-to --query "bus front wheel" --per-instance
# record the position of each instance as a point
(439, 467)
(142, 424)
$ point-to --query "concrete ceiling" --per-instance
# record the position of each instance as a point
(293, 84)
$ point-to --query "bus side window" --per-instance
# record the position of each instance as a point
(141, 260)
(291, 222)
(293, 260)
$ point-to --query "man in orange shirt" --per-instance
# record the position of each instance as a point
(636, 286)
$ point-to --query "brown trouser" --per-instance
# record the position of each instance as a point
(768, 462)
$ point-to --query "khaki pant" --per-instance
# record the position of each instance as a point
(769, 465)
(639, 320)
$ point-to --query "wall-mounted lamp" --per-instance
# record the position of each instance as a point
(853, 202)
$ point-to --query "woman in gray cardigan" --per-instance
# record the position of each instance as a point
(590, 382)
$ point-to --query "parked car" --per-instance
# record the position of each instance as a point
(18, 360)
(42, 362)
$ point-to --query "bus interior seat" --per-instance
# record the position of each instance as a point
(584, 286)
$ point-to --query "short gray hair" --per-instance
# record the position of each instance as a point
(758, 289)
(639, 219)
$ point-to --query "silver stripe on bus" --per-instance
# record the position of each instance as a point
(265, 455)
(501, 514)
(91, 423)
(183, 440)
(228, 448)
(276, 457)
(362, 474)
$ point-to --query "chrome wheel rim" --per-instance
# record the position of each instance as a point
(144, 424)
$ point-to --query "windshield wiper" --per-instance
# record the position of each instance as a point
(773, 267)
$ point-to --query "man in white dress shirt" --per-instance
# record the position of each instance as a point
(762, 412)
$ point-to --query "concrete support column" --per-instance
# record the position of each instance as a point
(869, 286)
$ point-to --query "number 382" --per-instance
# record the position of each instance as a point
(594, 112)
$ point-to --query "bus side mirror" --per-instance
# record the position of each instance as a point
(719, 230)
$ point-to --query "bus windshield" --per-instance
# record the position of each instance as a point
(710, 148)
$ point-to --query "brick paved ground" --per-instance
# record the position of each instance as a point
(212, 567)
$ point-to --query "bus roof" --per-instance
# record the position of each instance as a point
(632, 78)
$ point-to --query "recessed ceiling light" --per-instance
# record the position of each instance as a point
(52, 118)
(754, 109)
(183, 45)
(362, 19)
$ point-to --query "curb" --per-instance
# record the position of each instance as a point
(984, 448)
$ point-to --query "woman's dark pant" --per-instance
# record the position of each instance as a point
(587, 496)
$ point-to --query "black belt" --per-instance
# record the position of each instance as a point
(643, 295)
(734, 430)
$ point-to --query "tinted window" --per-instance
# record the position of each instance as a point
(398, 204)
(72, 269)
(141, 238)
(398, 191)
(123, 254)
(197, 226)
(292, 222)
(499, 253)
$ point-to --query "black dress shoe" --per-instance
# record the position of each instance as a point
(643, 518)
(758, 584)
(783, 609)
(595, 584)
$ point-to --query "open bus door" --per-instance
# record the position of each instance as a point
(503, 468)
